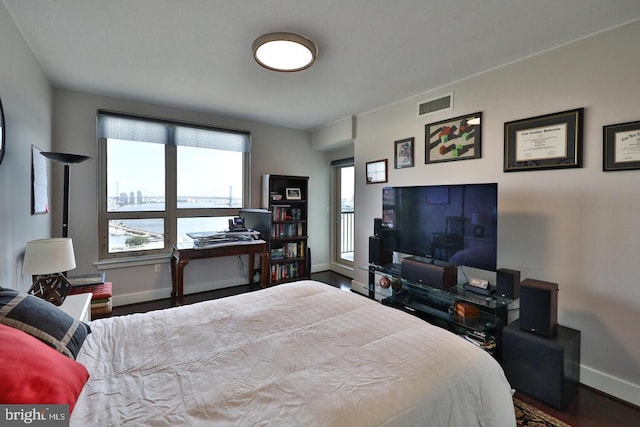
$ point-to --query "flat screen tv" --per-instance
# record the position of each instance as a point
(454, 224)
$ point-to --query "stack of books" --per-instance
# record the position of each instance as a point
(101, 300)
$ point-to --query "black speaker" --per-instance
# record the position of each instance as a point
(508, 283)
(547, 369)
(438, 276)
(377, 227)
(377, 254)
(539, 307)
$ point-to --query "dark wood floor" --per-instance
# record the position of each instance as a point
(589, 408)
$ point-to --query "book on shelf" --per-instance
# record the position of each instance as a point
(286, 271)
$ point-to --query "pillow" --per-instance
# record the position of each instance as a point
(33, 373)
(43, 320)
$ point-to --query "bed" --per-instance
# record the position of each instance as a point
(303, 354)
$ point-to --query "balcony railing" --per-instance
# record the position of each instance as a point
(346, 235)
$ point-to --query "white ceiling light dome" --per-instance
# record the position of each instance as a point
(286, 52)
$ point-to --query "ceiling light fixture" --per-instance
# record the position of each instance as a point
(286, 52)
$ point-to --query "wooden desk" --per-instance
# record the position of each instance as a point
(185, 252)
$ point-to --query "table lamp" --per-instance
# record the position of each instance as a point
(47, 260)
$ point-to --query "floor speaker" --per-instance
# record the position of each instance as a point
(508, 283)
(377, 254)
(539, 307)
(547, 369)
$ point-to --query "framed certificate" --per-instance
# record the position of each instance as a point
(545, 142)
(621, 146)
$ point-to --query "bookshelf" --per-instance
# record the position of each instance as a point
(286, 197)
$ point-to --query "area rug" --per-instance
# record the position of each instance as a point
(528, 416)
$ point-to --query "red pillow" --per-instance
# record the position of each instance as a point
(31, 372)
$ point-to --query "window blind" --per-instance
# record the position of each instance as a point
(143, 129)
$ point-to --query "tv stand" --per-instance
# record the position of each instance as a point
(482, 317)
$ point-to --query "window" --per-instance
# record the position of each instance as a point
(160, 180)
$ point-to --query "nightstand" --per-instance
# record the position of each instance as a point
(78, 306)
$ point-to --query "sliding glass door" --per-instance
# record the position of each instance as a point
(344, 213)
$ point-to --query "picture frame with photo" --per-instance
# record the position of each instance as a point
(293, 194)
(377, 172)
(403, 153)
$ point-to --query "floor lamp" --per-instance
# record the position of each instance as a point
(67, 159)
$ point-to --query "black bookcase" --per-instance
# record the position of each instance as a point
(286, 197)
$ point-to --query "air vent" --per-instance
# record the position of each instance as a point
(436, 105)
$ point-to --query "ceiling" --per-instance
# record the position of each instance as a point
(196, 54)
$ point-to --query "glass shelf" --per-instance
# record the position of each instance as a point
(440, 309)
(459, 292)
(438, 306)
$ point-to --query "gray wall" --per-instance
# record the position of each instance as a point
(576, 227)
(275, 150)
(26, 98)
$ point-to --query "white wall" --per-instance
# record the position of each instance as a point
(275, 150)
(576, 227)
(26, 98)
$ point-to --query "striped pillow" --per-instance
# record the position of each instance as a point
(42, 320)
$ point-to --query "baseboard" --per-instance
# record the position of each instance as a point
(156, 294)
(315, 268)
(613, 386)
(191, 288)
(342, 269)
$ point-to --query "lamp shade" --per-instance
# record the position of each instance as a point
(65, 157)
(48, 256)
(477, 218)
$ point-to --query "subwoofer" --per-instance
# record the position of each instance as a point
(508, 283)
(539, 307)
(542, 367)
(377, 254)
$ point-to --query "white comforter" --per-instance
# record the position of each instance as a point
(300, 354)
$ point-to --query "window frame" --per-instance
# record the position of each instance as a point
(171, 213)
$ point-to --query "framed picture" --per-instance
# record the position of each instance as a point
(621, 146)
(377, 172)
(2, 126)
(39, 183)
(293, 194)
(403, 153)
(453, 139)
(551, 141)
